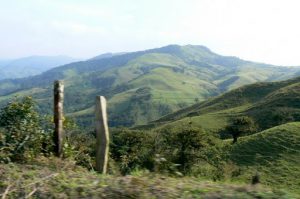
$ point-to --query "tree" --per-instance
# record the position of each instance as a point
(22, 135)
(132, 149)
(241, 126)
(183, 145)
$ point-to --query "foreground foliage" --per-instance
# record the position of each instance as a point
(53, 178)
(22, 135)
(271, 156)
(169, 150)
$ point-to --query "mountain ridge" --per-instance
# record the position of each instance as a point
(31, 65)
(143, 86)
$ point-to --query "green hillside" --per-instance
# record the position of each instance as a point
(143, 86)
(273, 153)
(269, 104)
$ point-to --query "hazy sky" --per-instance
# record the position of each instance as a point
(258, 30)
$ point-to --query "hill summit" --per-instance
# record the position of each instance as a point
(145, 85)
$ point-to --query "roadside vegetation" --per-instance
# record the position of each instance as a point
(170, 162)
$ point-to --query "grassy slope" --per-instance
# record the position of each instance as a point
(273, 153)
(56, 179)
(174, 76)
(262, 101)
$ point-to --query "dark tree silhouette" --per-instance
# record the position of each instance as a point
(241, 126)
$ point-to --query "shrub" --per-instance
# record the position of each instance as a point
(132, 150)
(172, 151)
(184, 146)
(22, 137)
(80, 146)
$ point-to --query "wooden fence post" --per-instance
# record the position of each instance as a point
(102, 134)
(58, 117)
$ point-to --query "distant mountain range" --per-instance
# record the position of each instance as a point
(29, 66)
(143, 86)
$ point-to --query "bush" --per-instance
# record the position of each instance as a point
(132, 150)
(172, 151)
(80, 146)
(184, 146)
(22, 137)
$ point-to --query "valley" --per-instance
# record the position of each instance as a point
(143, 86)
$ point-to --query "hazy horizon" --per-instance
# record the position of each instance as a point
(262, 31)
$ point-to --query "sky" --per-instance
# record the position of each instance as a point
(259, 30)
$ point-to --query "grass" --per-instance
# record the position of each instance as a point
(29, 92)
(53, 178)
(209, 122)
(270, 104)
(273, 153)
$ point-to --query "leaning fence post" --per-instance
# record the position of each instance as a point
(58, 117)
(102, 135)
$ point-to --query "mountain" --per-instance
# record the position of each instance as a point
(29, 66)
(143, 86)
(107, 55)
(269, 104)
